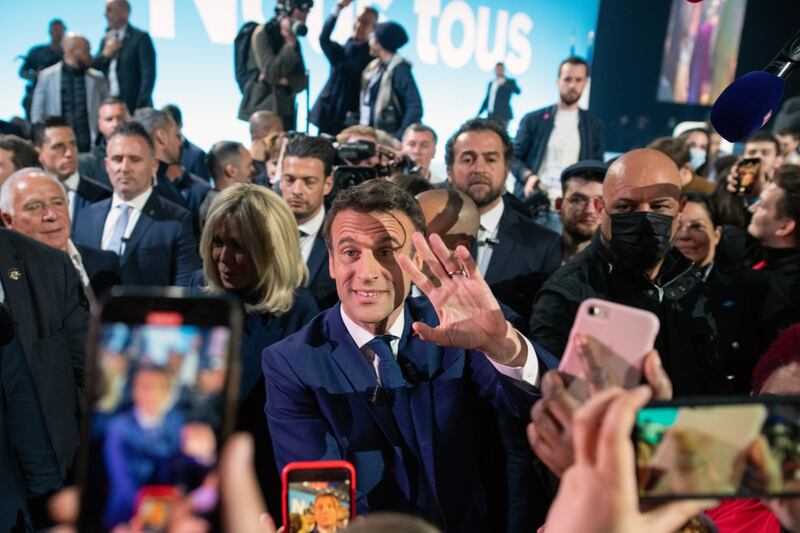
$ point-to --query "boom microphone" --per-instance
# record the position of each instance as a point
(750, 101)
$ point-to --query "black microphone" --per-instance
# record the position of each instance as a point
(750, 101)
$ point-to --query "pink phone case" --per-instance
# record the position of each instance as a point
(628, 332)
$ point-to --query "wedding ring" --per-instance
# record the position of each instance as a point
(457, 272)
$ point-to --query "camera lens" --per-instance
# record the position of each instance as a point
(594, 311)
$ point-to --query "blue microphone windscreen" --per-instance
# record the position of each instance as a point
(746, 104)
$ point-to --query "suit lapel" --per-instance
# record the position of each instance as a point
(504, 249)
(142, 225)
(94, 231)
(317, 258)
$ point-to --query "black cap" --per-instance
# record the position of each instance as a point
(587, 166)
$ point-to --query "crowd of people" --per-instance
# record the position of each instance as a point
(408, 323)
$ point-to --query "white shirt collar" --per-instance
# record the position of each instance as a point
(72, 182)
(361, 336)
(490, 220)
(137, 203)
(312, 226)
(77, 262)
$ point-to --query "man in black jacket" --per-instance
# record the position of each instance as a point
(631, 261)
(340, 94)
(127, 58)
(554, 137)
(497, 102)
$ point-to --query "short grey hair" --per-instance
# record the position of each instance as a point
(152, 120)
(7, 190)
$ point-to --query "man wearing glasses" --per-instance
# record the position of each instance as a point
(581, 183)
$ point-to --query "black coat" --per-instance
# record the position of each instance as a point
(525, 255)
(28, 465)
(101, 266)
(136, 68)
(93, 165)
(51, 317)
(687, 338)
(534, 131)
(502, 100)
(340, 93)
(194, 188)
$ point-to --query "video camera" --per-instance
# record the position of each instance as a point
(284, 8)
(347, 172)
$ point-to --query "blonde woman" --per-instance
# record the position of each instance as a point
(250, 248)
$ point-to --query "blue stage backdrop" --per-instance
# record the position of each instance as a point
(454, 46)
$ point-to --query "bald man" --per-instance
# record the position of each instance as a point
(72, 89)
(632, 261)
(452, 215)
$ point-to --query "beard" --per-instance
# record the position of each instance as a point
(483, 196)
(578, 231)
(570, 98)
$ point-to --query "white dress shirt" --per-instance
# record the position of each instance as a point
(310, 229)
(71, 184)
(490, 224)
(77, 262)
(493, 95)
(113, 81)
(111, 220)
(528, 373)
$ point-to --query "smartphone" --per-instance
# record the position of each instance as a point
(746, 175)
(163, 384)
(627, 334)
(318, 495)
(746, 447)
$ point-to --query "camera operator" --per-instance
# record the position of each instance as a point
(361, 156)
(340, 94)
(275, 52)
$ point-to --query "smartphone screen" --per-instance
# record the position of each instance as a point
(163, 380)
(745, 447)
(317, 498)
(747, 173)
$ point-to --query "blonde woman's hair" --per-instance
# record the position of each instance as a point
(268, 231)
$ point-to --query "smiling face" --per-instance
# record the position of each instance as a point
(237, 271)
(697, 238)
(326, 511)
(363, 261)
(41, 211)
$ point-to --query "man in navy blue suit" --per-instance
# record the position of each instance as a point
(306, 179)
(55, 143)
(173, 181)
(497, 102)
(153, 236)
(389, 382)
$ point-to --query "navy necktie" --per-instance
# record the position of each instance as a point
(394, 383)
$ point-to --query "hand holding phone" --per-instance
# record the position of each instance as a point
(747, 176)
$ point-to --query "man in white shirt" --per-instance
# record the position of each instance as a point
(306, 179)
(153, 236)
(34, 203)
(55, 143)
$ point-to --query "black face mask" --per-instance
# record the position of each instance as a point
(640, 240)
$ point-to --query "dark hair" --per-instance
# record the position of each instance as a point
(376, 195)
(39, 128)
(587, 175)
(499, 64)
(784, 351)
(23, 154)
(674, 148)
(413, 183)
(789, 131)
(707, 202)
(479, 124)
(788, 178)
(730, 209)
(221, 154)
(371, 10)
(134, 129)
(314, 147)
(419, 127)
(175, 112)
(764, 136)
(573, 60)
(56, 21)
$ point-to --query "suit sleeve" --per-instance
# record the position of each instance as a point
(552, 256)
(511, 396)
(99, 61)
(485, 104)
(39, 100)
(332, 50)
(598, 143)
(28, 434)
(522, 145)
(514, 87)
(298, 429)
(147, 61)
(28, 71)
(408, 92)
(185, 258)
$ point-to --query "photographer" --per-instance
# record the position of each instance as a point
(361, 156)
(340, 94)
(275, 53)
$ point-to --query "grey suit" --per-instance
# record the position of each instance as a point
(47, 95)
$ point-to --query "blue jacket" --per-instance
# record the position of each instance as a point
(502, 100)
(340, 93)
(162, 249)
(88, 192)
(188, 191)
(193, 159)
(321, 404)
(136, 68)
(319, 277)
(534, 132)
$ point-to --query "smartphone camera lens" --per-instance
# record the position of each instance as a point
(594, 311)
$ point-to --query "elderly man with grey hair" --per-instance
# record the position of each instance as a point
(34, 203)
(173, 181)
